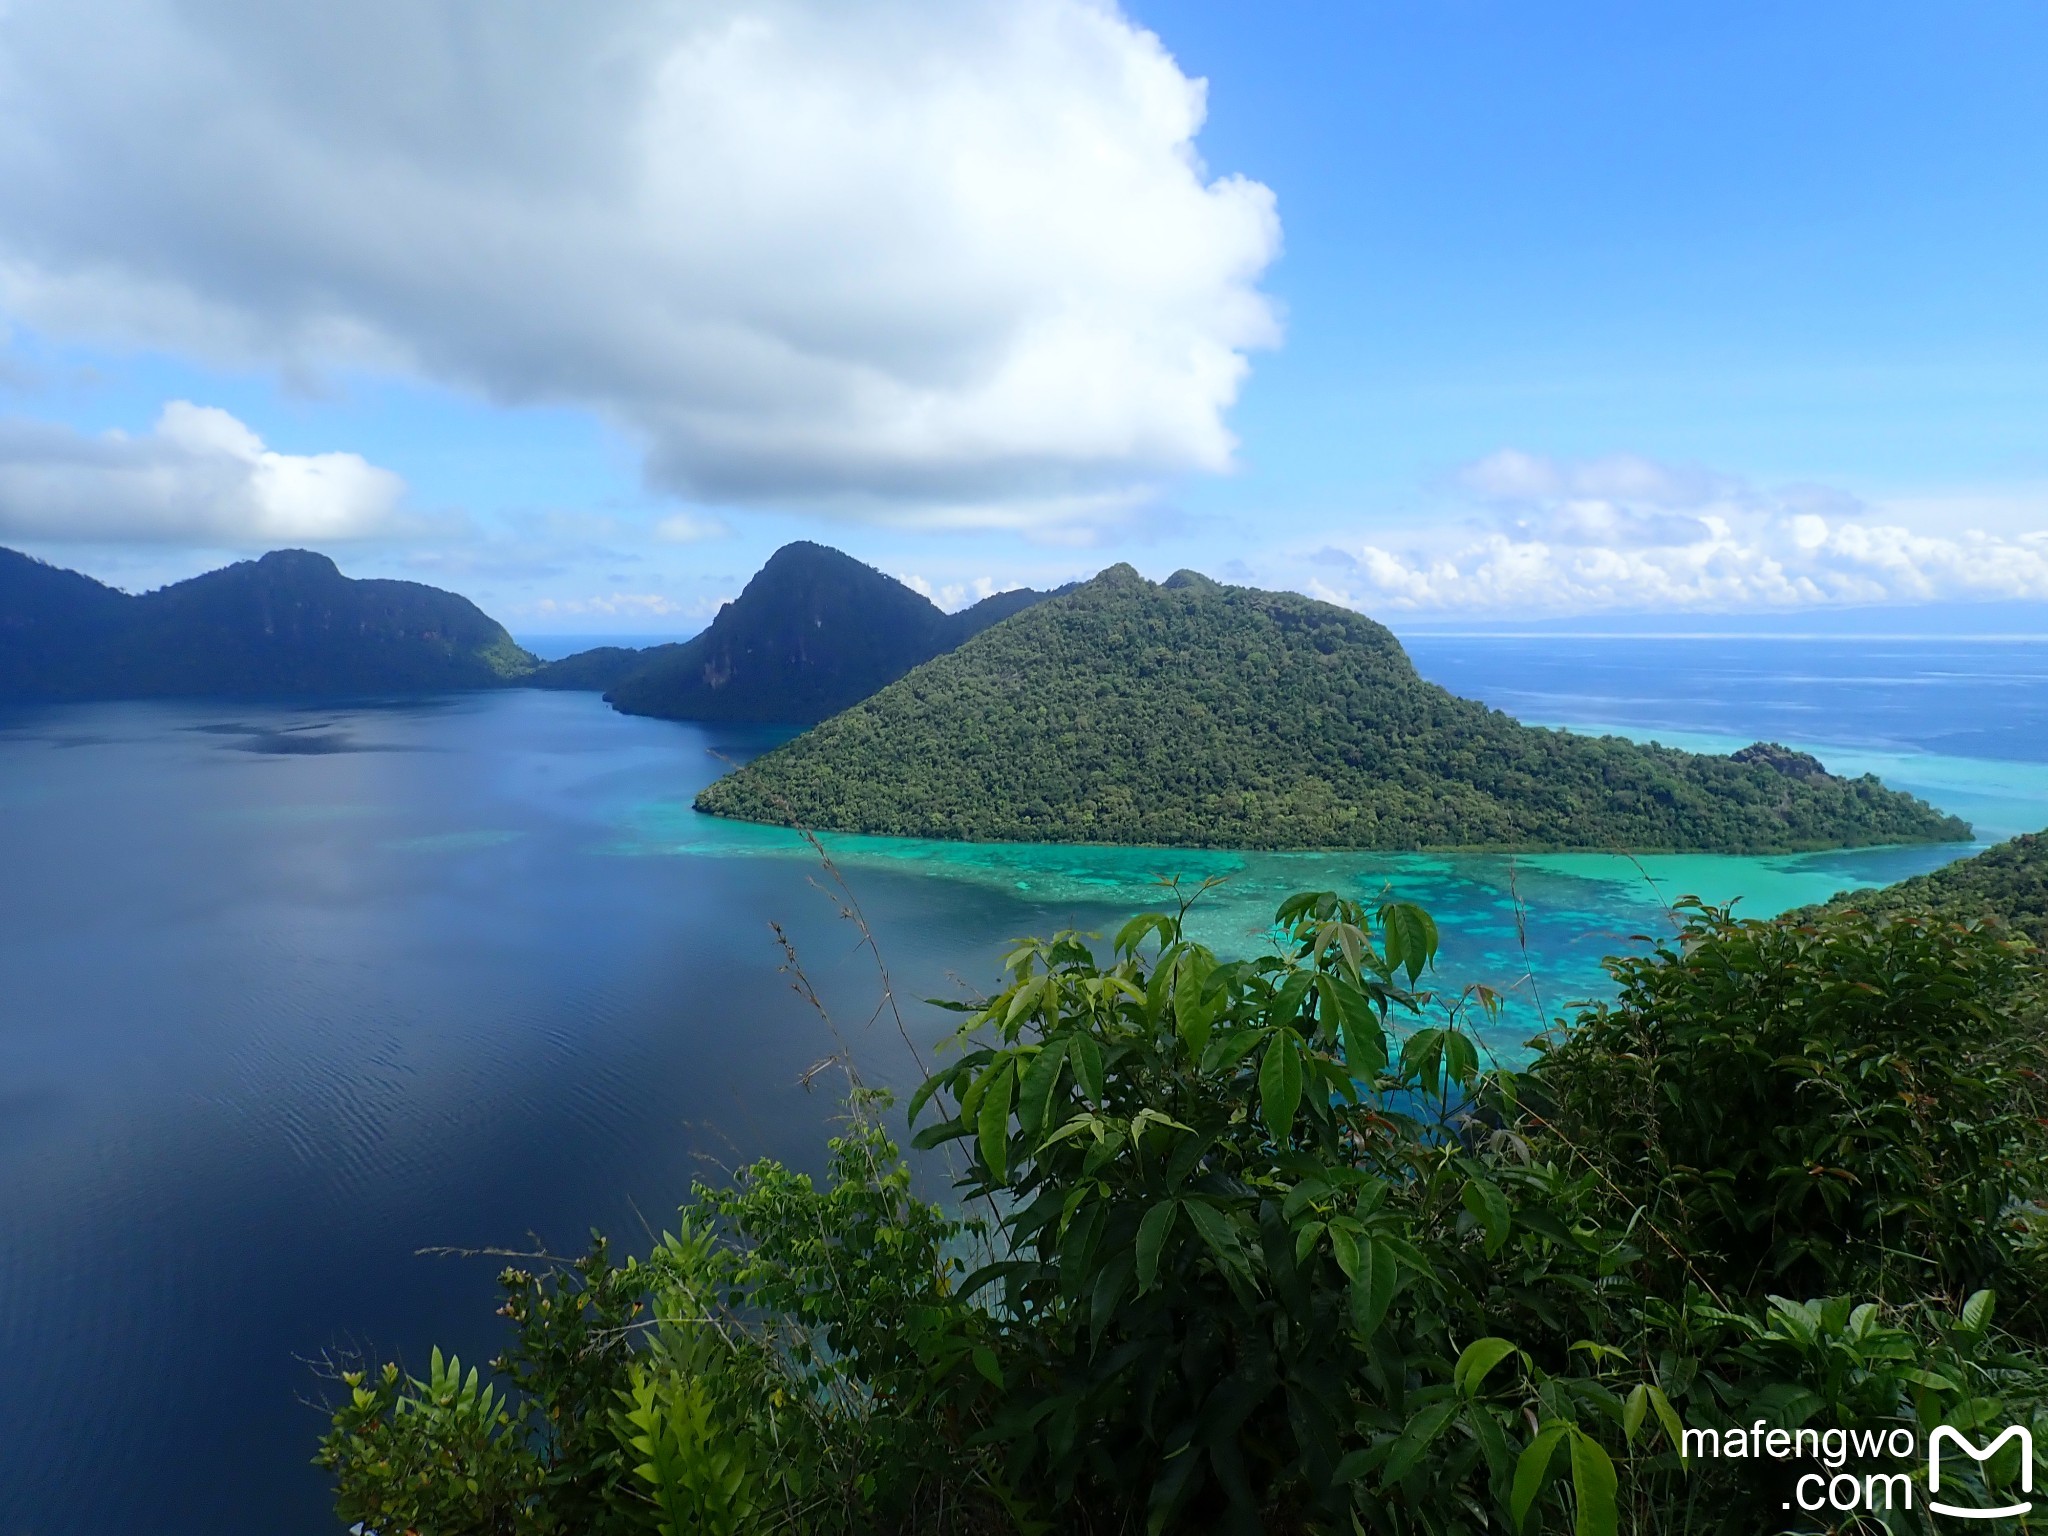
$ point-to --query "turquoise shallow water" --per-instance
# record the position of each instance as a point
(1533, 926)
(1536, 926)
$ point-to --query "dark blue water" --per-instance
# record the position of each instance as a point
(287, 996)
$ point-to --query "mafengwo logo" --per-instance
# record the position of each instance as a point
(1947, 1436)
(1869, 1472)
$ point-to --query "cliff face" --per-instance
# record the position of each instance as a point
(814, 632)
(289, 624)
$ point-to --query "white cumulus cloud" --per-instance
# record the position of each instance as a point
(200, 476)
(689, 528)
(611, 605)
(1629, 535)
(952, 595)
(903, 260)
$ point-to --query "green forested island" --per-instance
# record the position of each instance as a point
(1191, 713)
(287, 624)
(814, 631)
(2008, 882)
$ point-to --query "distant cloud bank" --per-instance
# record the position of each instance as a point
(199, 477)
(1629, 534)
(923, 262)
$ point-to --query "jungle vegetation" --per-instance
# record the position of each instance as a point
(2008, 881)
(1271, 1244)
(1195, 714)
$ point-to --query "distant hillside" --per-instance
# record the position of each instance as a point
(289, 624)
(814, 632)
(1199, 714)
(2009, 882)
(598, 670)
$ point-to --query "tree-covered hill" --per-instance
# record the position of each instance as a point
(813, 632)
(289, 624)
(597, 670)
(2009, 882)
(1198, 714)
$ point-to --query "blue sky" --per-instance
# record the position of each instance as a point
(1450, 311)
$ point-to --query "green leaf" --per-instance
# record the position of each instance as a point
(1545, 1224)
(1415, 1439)
(938, 1135)
(1132, 934)
(1411, 937)
(1086, 1056)
(1305, 1239)
(1633, 1411)
(1344, 1244)
(1358, 1027)
(922, 1097)
(1421, 1055)
(1280, 1082)
(1229, 1049)
(1977, 1311)
(1026, 998)
(1351, 1467)
(1529, 1469)
(1216, 1231)
(1493, 1445)
(1365, 1045)
(1372, 1292)
(1461, 1057)
(1034, 1097)
(1286, 1005)
(1195, 1005)
(1152, 1232)
(985, 1362)
(1490, 1208)
(1593, 1484)
(1674, 1427)
(1929, 1380)
(1302, 1196)
(993, 1122)
(1479, 1358)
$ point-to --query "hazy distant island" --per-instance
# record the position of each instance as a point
(1196, 714)
(814, 631)
(287, 625)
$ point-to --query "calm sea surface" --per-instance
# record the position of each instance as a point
(289, 995)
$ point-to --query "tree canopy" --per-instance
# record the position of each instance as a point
(2008, 882)
(1196, 714)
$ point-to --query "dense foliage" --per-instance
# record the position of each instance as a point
(1779, 1128)
(1264, 1245)
(1192, 713)
(813, 632)
(289, 624)
(2008, 882)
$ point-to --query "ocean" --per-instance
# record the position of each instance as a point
(294, 1000)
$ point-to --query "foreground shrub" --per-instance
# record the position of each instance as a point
(1263, 1245)
(1847, 1103)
